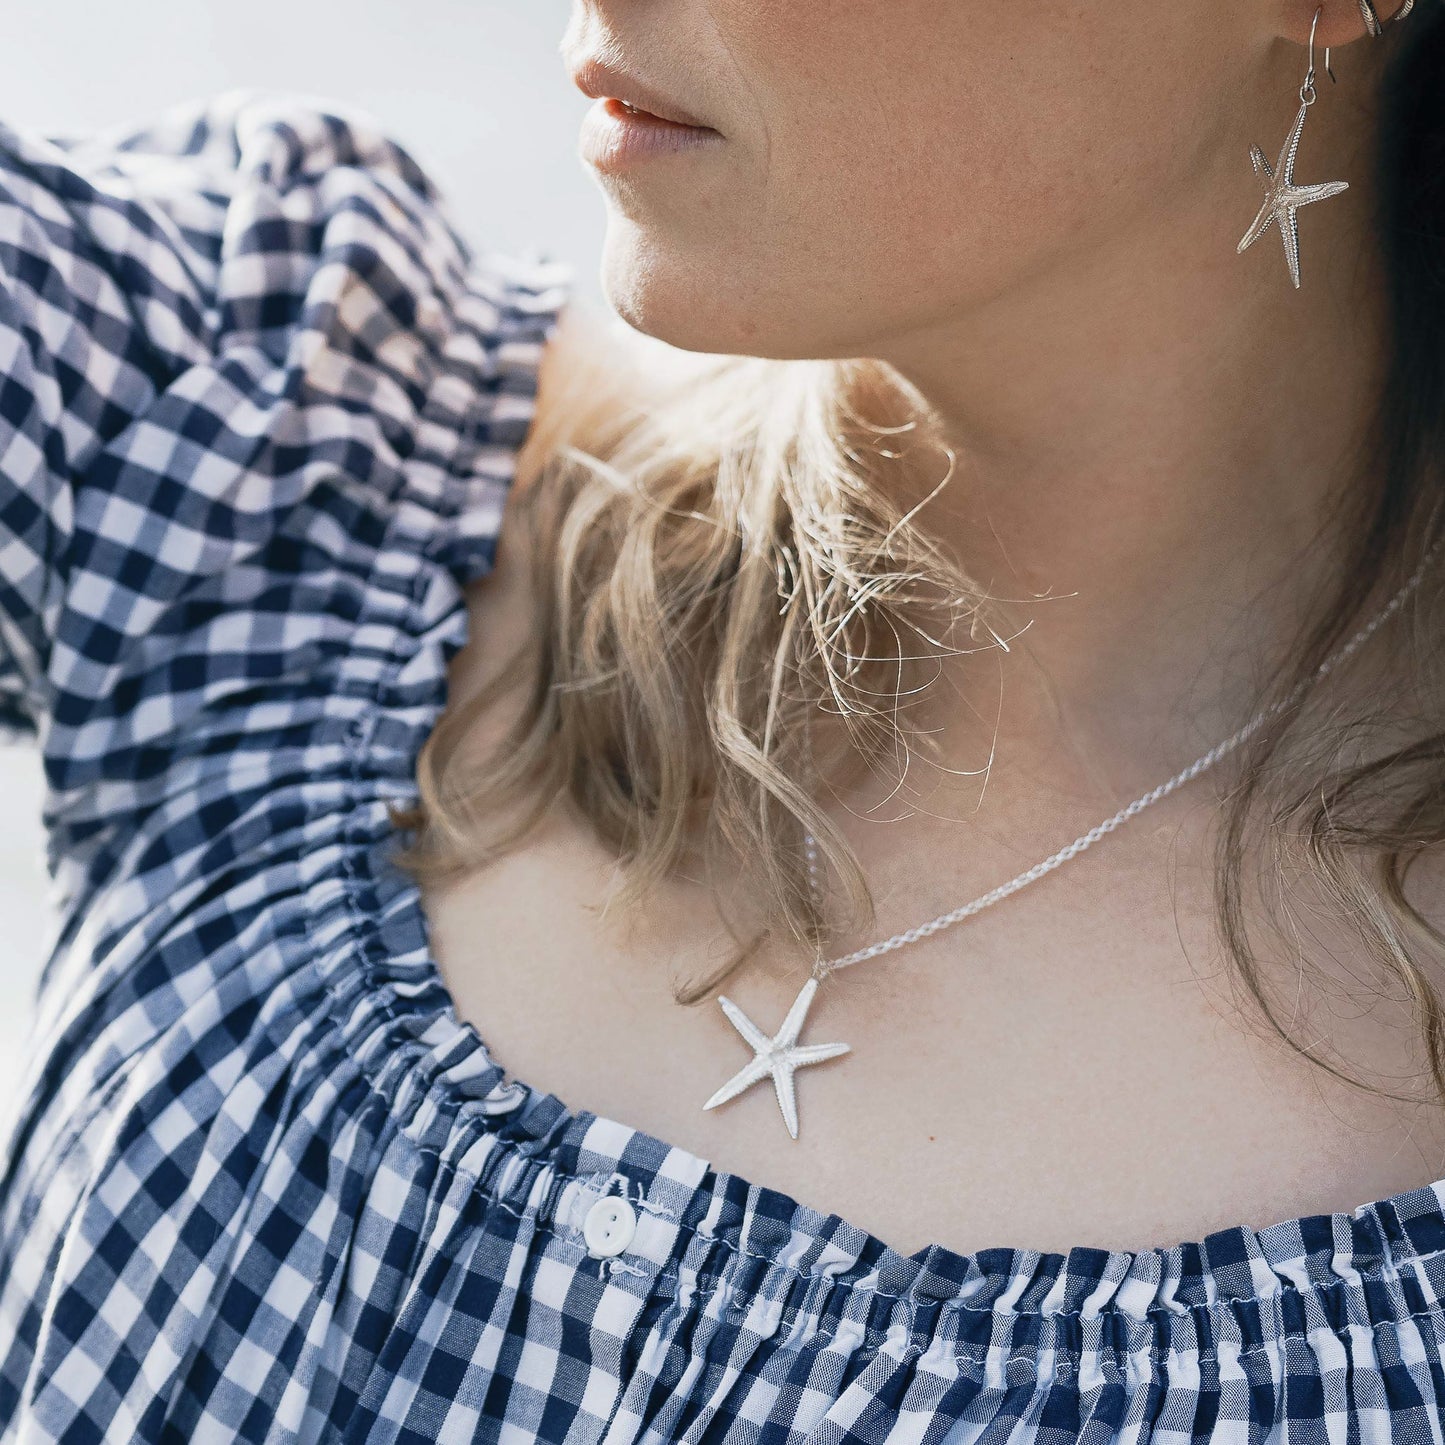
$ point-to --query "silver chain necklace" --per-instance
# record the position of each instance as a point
(778, 1056)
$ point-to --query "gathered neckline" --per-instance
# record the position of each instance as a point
(1237, 1265)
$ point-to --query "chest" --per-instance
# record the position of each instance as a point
(1047, 1081)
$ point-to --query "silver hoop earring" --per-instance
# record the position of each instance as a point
(1282, 198)
(1372, 18)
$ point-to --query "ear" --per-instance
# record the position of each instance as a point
(1340, 22)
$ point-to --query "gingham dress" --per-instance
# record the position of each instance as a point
(259, 410)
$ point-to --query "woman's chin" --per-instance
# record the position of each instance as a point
(694, 298)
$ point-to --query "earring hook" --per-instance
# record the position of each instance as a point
(1307, 90)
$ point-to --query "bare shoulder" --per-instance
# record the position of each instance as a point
(572, 347)
(593, 367)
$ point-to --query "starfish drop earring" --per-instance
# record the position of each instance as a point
(1282, 197)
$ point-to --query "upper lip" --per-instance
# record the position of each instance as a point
(596, 78)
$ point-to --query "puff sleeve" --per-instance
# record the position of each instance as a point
(255, 388)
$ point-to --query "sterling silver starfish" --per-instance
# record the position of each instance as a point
(778, 1056)
(1283, 198)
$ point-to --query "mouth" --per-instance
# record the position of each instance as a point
(616, 135)
(637, 110)
(631, 96)
(621, 110)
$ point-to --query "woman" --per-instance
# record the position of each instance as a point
(418, 661)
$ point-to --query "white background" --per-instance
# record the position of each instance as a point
(476, 89)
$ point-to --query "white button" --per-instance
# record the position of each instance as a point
(609, 1227)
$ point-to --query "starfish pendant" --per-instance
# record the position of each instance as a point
(1283, 198)
(778, 1056)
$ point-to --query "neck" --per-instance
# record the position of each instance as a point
(1150, 437)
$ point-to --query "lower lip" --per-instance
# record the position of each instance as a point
(613, 137)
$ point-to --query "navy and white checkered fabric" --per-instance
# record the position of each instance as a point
(259, 407)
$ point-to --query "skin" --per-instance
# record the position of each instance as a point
(1032, 213)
